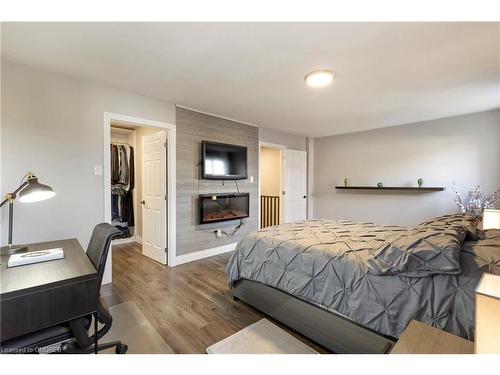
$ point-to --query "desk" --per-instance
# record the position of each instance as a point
(41, 295)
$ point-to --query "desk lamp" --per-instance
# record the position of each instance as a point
(30, 190)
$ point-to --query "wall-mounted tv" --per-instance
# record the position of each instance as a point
(221, 161)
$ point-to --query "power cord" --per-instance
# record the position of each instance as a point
(235, 229)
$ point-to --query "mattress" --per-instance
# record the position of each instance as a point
(324, 262)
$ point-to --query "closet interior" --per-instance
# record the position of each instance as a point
(123, 180)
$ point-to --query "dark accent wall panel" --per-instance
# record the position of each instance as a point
(192, 128)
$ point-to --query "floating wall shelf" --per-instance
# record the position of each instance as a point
(422, 189)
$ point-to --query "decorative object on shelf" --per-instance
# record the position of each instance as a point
(30, 190)
(379, 184)
(422, 189)
(491, 219)
(477, 202)
(420, 182)
(346, 181)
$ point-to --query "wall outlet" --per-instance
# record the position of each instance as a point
(218, 233)
(251, 179)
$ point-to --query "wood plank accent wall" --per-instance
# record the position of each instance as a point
(192, 128)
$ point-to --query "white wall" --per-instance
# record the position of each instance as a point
(465, 149)
(53, 125)
(292, 141)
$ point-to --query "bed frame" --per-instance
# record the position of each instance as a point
(332, 331)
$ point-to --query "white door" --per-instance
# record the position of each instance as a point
(154, 202)
(295, 198)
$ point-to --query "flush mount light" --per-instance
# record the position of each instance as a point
(319, 78)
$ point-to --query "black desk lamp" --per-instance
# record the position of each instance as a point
(30, 190)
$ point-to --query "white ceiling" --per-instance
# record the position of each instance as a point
(386, 73)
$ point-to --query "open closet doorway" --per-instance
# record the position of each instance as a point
(139, 179)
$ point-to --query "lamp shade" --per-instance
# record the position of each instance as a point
(35, 191)
(491, 219)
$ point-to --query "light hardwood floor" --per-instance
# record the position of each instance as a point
(190, 305)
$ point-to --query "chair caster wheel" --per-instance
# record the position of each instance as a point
(121, 349)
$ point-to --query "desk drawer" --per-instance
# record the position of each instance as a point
(30, 312)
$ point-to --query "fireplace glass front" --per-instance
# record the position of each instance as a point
(223, 207)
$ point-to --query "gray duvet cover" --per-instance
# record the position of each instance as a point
(325, 262)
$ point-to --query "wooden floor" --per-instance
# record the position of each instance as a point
(190, 305)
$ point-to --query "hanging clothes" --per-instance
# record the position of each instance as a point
(122, 185)
(123, 174)
(114, 164)
(131, 164)
(117, 195)
(128, 208)
(114, 207)
(128, 201)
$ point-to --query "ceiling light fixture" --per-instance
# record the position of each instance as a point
(319, 78)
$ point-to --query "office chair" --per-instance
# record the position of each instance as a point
(76, 329)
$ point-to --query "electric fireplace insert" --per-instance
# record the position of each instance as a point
(223, 207)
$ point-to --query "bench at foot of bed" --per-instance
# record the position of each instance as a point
(332, 331)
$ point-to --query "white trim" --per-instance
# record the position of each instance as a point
(201, 254)
(108, 118)
(282, 148)
(138, 239)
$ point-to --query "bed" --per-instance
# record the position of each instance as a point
(319, 277)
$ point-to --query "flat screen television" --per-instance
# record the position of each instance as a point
(221, 161)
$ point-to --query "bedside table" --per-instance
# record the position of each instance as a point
(420, 338)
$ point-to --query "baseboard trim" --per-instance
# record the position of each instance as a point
(201, 254)
(138, 239)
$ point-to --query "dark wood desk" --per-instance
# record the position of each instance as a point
(41, 295)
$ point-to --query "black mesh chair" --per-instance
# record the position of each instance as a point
(77, 329)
